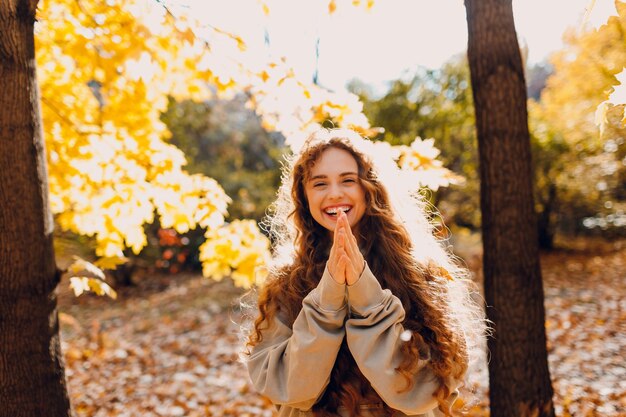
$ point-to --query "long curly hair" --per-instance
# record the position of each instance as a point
(404, 256)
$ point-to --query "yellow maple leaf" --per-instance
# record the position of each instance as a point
(83, 284)
(81, 267)
(110, 262)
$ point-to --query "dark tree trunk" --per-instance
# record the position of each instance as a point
(519, 376)
(32, 380)
(545, 224)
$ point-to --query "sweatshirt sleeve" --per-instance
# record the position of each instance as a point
(373, 333)
(292, 366)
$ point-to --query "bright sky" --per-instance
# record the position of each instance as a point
(383, 43)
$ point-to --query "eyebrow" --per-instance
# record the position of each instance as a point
(343, 174)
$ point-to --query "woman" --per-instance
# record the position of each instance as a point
(364, 313)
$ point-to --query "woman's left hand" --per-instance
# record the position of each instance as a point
(355, 262)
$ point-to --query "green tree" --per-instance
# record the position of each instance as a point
(224, 139)
(586, 168)
(434, 104)
(437, 103)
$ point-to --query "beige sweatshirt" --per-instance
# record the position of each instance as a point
(292, 366)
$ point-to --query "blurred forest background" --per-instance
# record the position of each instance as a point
(579, 173)
(168, 344)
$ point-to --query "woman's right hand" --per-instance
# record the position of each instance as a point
(337, 259)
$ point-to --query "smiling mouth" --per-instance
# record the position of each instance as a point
(334, 211)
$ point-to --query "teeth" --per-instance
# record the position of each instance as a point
(334, 210)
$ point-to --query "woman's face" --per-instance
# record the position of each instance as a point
(334, 185)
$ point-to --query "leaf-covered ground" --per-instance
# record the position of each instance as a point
(170, 346)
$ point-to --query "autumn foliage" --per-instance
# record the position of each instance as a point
(105, 77)
(106, 71)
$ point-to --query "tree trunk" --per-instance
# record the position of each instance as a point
(545, 225)
(519, 376)
(32, 379)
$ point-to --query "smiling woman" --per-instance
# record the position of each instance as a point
(334, 187)
(365, 314)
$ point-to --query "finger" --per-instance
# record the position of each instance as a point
(346, 225)
(335, 253)
(353, 236)
(338, 224)
(350, 241)
(341, 268)
(345, 263)
(352, 249)
(336, 241)
(334, 238)
(349, 247)
(356, 260)
(350, 271)
(353, 242)
(341, 255)
(341, 239)
(332, 254)
(343, 217)
(341, 262)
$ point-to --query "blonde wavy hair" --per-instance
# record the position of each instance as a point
(446, 321)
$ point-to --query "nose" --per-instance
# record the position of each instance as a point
(335, 192)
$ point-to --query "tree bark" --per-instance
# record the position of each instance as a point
(32, 379)
(545, 226)
(519, 377)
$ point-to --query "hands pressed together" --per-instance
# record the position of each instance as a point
(345, 262)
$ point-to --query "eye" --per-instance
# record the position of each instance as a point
(319, 184)
(349, 180)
